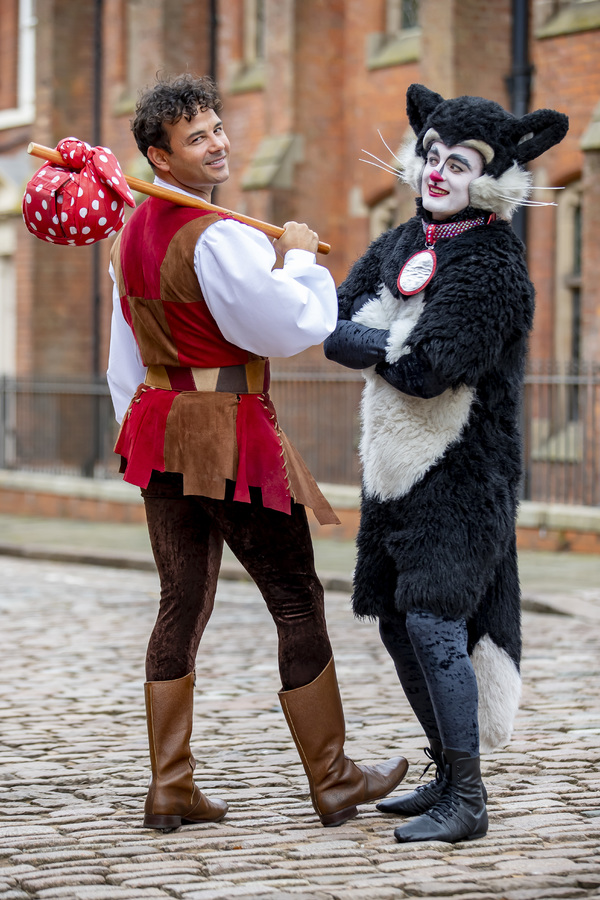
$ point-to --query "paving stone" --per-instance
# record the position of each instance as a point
(74, 766)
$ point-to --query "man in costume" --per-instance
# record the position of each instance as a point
(198, 308)
(437, 314)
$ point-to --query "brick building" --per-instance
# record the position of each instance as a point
(306, 87)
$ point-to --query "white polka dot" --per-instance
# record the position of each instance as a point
(41, 172)
(38, 216)
(63, 217)
(39, 188)
(115, 179)
(83, 212)
(90, 240)
(52, 231)
(72, 230)
(103, 157)
(114, 205)
(102, 221)
(101, 194)
(80, 192)
(33, 225)
(55, 179)
(86, 230)
(95, 204)
(55, 219)
(59, 198)
(28, 197)
(44, 204)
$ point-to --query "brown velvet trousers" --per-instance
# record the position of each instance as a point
(187, 535)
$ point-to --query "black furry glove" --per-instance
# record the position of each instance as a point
(356, 346)
(412, 374)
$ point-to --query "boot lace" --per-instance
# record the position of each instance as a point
(439, 774)
(445, 808)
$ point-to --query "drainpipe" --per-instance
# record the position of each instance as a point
(96, 274)
(212, 31)
(96, 140)
(519, 83)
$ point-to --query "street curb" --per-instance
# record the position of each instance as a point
(553, 604)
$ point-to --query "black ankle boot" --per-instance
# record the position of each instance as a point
(460, 814)
(425, 795)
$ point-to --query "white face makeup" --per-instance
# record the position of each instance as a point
(446, 178)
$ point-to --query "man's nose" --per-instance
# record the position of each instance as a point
(436, 176)
(217, 142)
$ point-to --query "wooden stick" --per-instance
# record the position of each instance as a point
(154, 190)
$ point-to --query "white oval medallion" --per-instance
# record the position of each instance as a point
(417, 272)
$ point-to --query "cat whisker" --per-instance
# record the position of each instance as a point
(387, 167)
(383, 168)
(521, 202)
(387, 147)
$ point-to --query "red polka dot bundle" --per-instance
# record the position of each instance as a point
(81, 202)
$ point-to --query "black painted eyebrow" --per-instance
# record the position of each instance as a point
(456, 156)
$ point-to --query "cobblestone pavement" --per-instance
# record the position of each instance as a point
(74, 767)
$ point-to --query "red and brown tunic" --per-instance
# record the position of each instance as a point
(204, 409)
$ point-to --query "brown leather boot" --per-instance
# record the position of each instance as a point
(173, 798)
(316, 720)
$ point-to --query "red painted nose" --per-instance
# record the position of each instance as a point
(435, 176)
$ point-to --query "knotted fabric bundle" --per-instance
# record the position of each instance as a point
(81, 202)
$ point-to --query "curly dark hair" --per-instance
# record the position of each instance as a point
(167, 101)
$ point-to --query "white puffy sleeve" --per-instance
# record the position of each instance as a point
(125, 367)
(270, 312)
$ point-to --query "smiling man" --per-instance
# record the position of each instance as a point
(198, 309)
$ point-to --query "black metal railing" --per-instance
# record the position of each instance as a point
(67, 427)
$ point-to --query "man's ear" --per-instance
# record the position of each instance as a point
(159, 159)
(420, 103)
(536, 132)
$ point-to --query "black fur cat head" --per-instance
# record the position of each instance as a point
(473, 119)
(505, 142)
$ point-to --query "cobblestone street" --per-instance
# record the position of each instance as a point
(74, 764)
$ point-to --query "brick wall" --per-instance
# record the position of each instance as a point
(318, 87)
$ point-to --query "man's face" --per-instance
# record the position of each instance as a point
(446, 178)
(200, 154)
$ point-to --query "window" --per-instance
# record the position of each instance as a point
(17, 63)
(567, 343)
(249, 74)
(254, 31)
(400, 15)
(400, 40)
(8, 329)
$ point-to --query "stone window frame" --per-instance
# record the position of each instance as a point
(400, 40)
(251, 71)
(24, 112)
(569, 17)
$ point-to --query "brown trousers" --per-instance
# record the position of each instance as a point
(187, 535)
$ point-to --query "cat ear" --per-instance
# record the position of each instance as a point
(420, 103)
(536, 132)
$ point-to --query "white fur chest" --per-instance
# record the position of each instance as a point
(403, 436)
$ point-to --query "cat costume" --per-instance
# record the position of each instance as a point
(437, 315)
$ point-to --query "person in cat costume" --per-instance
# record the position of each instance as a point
(437, 315)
